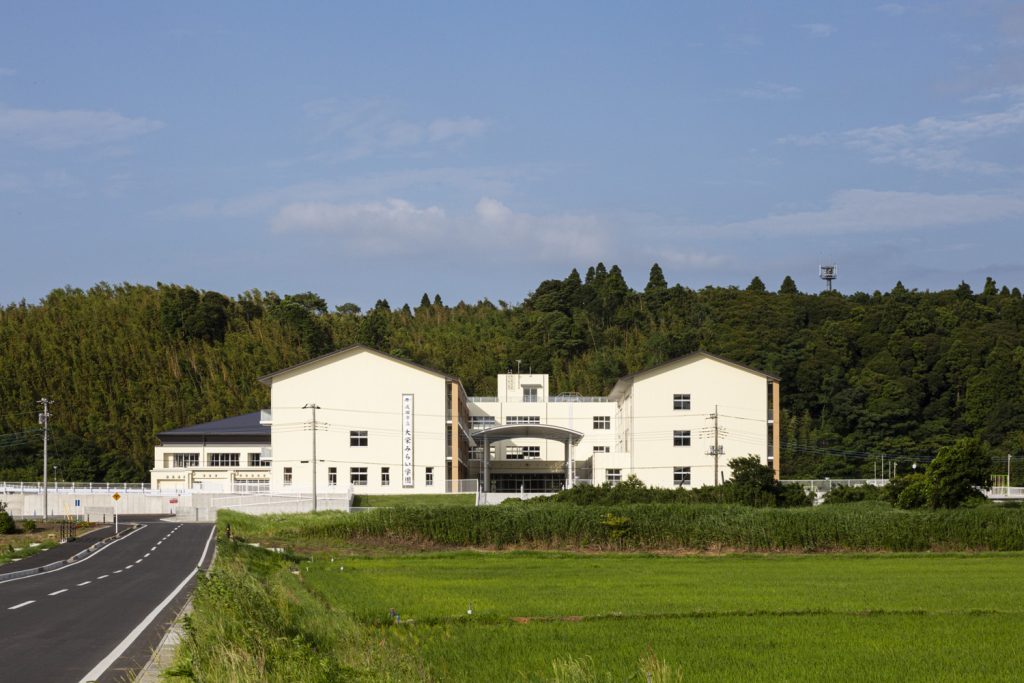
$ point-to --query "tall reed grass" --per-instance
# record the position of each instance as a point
(863, 527)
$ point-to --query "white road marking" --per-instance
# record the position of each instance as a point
(146, 555)
(62, 590)
(85, 583)
(84, 559)
(152, 549)
(129, 566)
(138, 560)
(100, 668)
(102, 577)
(19, 606)
(118, 571)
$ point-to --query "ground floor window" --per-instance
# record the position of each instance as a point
(287, 476)
(430, 476)
(332, 476)
(357, 476)
(531, 482)
(613, 476)
(681, 476)
(385, 476)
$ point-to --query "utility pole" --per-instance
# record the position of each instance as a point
(716, 449)
(313, 406)
(1007, 474)
(44, 419)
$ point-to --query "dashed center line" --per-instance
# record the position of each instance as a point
(138, 560)
(20, 605)
(152, 549)
(62, 590)
(102, 577)
(129, 566)
(85, 583)
(146, 555)
(118, 571)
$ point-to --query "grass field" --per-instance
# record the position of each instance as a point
(414, 499)
(554, 616)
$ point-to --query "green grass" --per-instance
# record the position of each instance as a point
(414, 499)
(557, 616)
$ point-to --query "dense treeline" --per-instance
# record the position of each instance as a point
(898, 374)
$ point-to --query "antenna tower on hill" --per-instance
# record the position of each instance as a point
(828, 274)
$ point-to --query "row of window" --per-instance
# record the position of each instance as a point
(220, 460)
(680, 476)
(485, 421)
(358, 476)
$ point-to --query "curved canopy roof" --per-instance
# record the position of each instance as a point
(551, 432)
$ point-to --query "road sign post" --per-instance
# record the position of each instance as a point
(116, 497)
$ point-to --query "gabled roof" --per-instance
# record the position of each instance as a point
(620, 385)
(266, 379)
(240, 427)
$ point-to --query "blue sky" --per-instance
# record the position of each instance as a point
(474, 149)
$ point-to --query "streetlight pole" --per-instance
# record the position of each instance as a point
(313, 407)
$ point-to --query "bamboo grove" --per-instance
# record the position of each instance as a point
(896, 374)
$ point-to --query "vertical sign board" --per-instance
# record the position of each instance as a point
(407, 442)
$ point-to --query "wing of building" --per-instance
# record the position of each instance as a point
(373, 423)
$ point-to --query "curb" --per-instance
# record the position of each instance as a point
(11, 576)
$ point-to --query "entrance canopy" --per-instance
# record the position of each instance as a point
(492, 434)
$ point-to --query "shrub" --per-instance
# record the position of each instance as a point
(853, 494)
(28, 525)
(6, 521)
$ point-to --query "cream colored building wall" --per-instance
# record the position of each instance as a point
(164, 476)
(742, 400)
(359, 391)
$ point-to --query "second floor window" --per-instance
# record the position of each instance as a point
(186, 460)
(358, 438)
(522, 420)
(680, 402)
(602, 449)
(602, 422)
(224, 459)
(681, 437)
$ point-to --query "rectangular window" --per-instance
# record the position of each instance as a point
(513, 452)
(613, 476)
(529, 394)
(430, 476)
(287, 476)
(681, 476)
(481, 421)
(358, 438)
(531, 451)
(332, 476)
(522, 420)
(680, 402)
(602, 422)
(357, 475)
(224, 459)
(602, 449)
(681, 437)
(186, 459)
(258, 460)
(385, 476)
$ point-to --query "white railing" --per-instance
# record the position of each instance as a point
(1005, 492)
(461, 485)
(575, 398)
(482, 399)
(825, 485)
(37, 486)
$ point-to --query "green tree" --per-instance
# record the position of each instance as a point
(956, 474)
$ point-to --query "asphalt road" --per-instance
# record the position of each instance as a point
(59, 626)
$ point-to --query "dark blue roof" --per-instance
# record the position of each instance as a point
(242, 427)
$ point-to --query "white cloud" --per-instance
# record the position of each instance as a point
(687, 259)
(580, 237)
(372, 127)
(863, 211)
(770, 91)
(391, 225)
(893, 9)
(64, 129)
(932, 143)
(818, 30)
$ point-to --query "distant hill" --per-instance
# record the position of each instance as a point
(896, 373)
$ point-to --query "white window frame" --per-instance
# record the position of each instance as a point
(332, 476)
(602, 422)
(681, 438)
(358, 476)
(681, 402)
(429, 476)
(531, 394)
(681, 476)
(287, 476)
(233, 459)
(601, 449)
(385, 476)
(185, 459)
(358, 438)
(522, 420)
(613, 476)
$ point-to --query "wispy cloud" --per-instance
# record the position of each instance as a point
(385, 227)
(893, 9)
(862, 211)
(932, 143)
(372, 127)
(770, 91)
(63, 129)
(818, 30)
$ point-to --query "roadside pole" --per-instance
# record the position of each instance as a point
(116, 497)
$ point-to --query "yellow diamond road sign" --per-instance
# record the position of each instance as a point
(116, 496)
